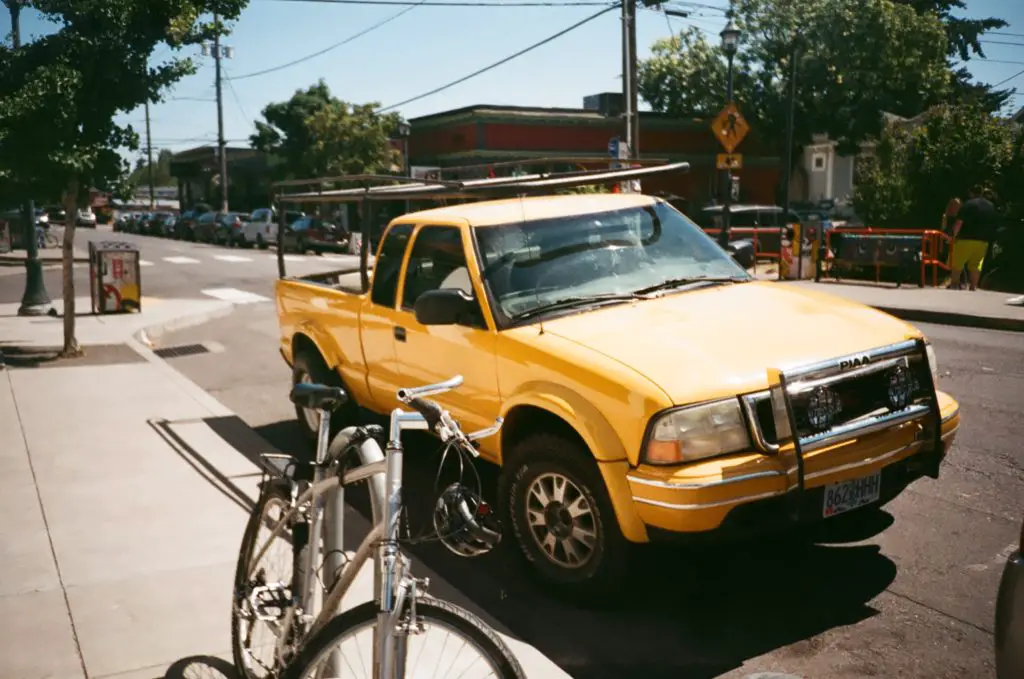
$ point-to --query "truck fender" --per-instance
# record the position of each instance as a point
(600, 438)
(592, 426)
(324, 343)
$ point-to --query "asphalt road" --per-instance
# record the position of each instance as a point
(175, 269)
(910, 595)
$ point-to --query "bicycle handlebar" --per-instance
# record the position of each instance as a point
(408, 394)
(439, 420)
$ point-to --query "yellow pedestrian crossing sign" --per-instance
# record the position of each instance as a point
(730, 127)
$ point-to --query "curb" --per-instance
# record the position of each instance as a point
(7, 260)
(143, 341)
(955, 319)
(149, 335)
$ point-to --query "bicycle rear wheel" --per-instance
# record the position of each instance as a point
(254, 630)
(351, 635)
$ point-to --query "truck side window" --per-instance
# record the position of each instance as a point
(438, 261)
(389, 264)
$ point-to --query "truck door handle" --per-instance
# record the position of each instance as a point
(399, 333)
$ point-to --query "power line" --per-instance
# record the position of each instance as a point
(463, 3)
(1012, 77)
(1010, 35)
(336, 45)
(501, 61)
(238, 101)
(1002, 42)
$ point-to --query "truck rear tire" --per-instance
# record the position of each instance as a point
(553, 496)
(309, 366)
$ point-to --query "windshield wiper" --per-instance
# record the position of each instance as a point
(690, 280)
(576, 301)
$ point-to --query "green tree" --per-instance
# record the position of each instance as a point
(315, 133)
(161, 171)
(857, 59)
(964, 38)
(916, 170)
(60, 93)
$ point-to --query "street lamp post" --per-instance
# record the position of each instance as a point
(730, 43)
(35, 301)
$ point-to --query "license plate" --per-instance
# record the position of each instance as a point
(842, 497)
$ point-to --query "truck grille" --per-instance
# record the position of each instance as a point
(843, 398)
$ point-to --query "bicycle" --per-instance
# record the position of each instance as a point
(310, 500)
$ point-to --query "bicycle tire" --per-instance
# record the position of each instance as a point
(278, 490)
(456, 618)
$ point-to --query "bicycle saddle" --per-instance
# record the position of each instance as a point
(318, 396)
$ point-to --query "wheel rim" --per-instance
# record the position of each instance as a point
(562, 520)
(311, 417)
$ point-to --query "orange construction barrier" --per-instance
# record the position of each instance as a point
(931, 248)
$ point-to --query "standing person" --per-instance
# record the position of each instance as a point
(975, 227)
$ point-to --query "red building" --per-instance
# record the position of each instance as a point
(478, 138)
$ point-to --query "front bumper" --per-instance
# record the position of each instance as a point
(1010, 620)
(764, 489)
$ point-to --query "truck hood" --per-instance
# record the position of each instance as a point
(721, 341)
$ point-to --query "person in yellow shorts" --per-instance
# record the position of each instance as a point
(975, 226)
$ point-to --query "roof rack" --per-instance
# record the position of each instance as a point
(430, 189)
(465, 189)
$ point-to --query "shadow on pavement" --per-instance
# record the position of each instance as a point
(16, 355)
(200, 667)
(689, 611)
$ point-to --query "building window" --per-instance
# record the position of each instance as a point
(818, 162)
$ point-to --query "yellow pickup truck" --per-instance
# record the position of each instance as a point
(650, 386)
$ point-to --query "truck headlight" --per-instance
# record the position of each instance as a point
(933, 362)
(697, 432)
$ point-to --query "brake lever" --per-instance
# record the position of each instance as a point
(489, 431)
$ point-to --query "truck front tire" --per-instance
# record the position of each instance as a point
(310, 367)
(554, 499)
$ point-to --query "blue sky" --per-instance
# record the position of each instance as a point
(428, 46)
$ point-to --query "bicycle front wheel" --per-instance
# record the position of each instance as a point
(453, 643)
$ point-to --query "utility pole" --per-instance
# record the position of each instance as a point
(149, 152)
(35, 301)
(221, 152)
(634, 98)
(628, 69)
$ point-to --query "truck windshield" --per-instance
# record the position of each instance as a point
(533, 263)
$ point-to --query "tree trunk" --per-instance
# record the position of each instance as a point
(71, 347)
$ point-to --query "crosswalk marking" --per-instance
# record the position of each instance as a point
(232, 258)
(235, 296)
(295, 258)
(144, 262)
(181, 260)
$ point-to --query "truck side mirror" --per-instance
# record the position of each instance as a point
(446, 306)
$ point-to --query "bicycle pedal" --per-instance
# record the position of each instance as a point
(269, 602)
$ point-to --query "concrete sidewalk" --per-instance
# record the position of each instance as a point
(978, 309)
(126, 489)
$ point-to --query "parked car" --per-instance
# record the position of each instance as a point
(261, 229)
(228, 229)
(313, 233)
(612, 335)
(205, 228)
(56, 213)
(1010, 616)
(185, 225)
(86, 217)
(162, 224)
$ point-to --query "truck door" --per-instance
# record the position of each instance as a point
(428, 354)
(380, 317)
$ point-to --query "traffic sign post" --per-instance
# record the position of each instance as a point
(729, 161)
(729, 127)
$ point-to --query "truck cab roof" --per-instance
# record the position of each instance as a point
(517, 210)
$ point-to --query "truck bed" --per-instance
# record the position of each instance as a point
(343, 280)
